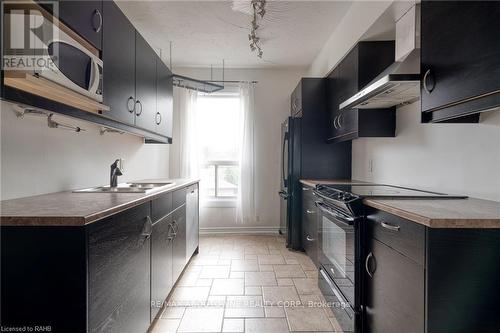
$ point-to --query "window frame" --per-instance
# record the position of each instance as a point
(217, 201)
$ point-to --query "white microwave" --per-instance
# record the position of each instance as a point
(75, 67)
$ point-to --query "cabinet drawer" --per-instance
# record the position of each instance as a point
(309, 224)
(161, 206)
(179, 198)
(406, 237)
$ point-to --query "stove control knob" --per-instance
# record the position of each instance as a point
(347, 197)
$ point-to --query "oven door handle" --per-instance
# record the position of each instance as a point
(344, 219)
(334, 289)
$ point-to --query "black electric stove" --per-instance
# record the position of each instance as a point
(340, 213)
(348, 196)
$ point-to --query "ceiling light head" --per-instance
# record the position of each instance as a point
(258, 10)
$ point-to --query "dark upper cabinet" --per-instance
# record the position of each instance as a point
(118, 54)
(361, 65)
(139, 95)
(85, 18)
(460, 59)
(164, 100)
(119, 272)
(161, 262)
(179, 246)
(145, 84)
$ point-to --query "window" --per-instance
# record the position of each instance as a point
(218, 136)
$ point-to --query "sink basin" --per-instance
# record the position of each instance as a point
(151, 185)
(137, 187)
(119, 189)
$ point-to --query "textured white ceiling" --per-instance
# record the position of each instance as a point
(205, 32)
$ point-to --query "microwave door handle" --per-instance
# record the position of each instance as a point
(94, 74)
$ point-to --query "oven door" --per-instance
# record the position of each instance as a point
(337, 247)
(74, 66)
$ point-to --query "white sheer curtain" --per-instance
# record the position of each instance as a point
(188, 149)
(245, 202)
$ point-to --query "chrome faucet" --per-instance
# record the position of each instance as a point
(116, 170)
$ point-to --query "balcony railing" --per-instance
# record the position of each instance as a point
(219, 179)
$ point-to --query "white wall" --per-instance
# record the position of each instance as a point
(358, 19)
(36, 159)
(272, 106)
(452, 158)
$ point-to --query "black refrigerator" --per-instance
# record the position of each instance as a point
(305, 153)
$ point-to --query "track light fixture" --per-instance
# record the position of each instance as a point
(259, 10)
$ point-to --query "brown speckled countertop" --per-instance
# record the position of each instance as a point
(76, 209)
(434, 213)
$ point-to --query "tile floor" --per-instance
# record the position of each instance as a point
(250, 284)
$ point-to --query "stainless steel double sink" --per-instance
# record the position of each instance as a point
(136, 187)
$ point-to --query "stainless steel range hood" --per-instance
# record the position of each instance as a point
(399, 84)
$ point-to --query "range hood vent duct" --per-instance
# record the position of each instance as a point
(398, 84)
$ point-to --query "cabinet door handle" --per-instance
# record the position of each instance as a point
(389, 226)
(339, 120)
(335, 122)
(308, 211)
(367, 264)
(148, 228)
(170, 235)
(158, 118)
(176, 227)
(97, 13)
(310, 239)
(138, 111)
(130, 106)
(428, 76)
(305, 189)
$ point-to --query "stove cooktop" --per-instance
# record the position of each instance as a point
(348, 192)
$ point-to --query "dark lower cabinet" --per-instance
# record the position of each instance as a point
(161, 262)
(84, 17)
(394, 291)
(309, 224)
(118, 55)
(119, 272)
(462, 280)
(44, 278)
(460, 59)
(112, 275)
(179, 246)
(432, 280)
